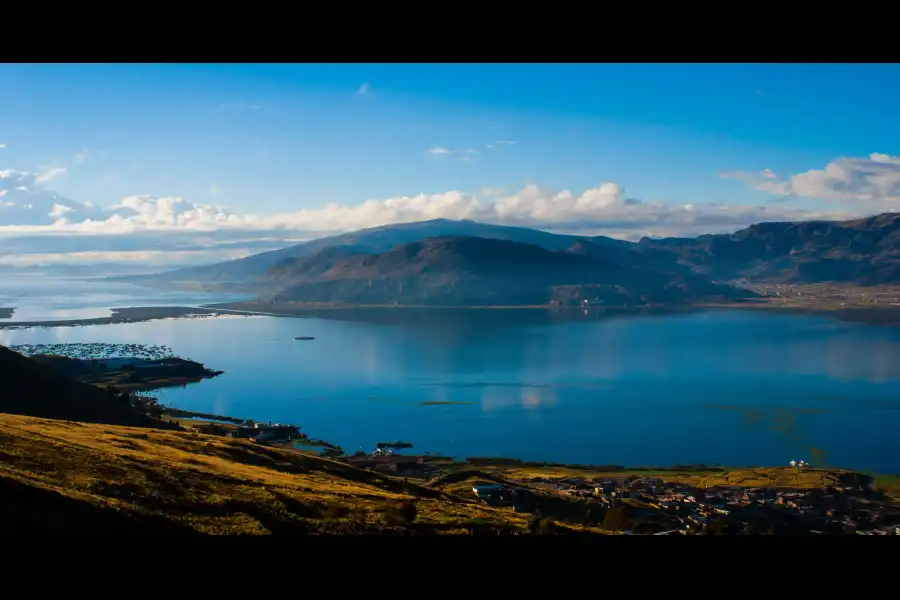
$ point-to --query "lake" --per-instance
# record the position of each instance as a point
(734, 388)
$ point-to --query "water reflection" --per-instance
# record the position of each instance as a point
(617, 389)
(526, 397)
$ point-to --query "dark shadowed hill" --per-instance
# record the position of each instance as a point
(863, 251)
(28, 387)
(468, 271)
(243, 273)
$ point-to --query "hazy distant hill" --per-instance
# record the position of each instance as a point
(863, 251)
(244, 273)
(470, 271)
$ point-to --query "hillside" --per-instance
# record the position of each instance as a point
(468, 271)
(862, 251)
(244, 273)
(31, 388)
(59, 477)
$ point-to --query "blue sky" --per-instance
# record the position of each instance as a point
(270, 139)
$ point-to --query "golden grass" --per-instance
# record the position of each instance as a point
(889, 484)
(777, 477)
(188, 482)
(63, 476)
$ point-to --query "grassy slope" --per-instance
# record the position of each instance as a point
(68, 477)
(79, 477)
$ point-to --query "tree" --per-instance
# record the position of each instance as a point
(408, 511)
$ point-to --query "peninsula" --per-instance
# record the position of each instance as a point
(132, 374)
(125, 367)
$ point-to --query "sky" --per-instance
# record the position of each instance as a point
(196, 163)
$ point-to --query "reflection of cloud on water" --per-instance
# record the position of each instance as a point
(493, 398)
(844, 357)
(369, 355)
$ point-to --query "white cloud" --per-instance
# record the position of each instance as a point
(602, 209)
(2, 146)
(504, 142)
(465, 152)
(40, 226)
(364, 90)
(57, 211)
(49, 175)
(25, 202)
(215, 190)
(871, 184)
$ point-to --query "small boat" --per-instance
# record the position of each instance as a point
(305, 337)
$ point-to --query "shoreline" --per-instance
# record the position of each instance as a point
(219, 425)
(871, 315)
(94, 478)
(133, 314)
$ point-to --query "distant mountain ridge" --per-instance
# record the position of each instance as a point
(861, 251)
(244, 273)
(471, 271)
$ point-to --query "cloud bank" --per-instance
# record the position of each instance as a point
(35, 221)
(868, 184)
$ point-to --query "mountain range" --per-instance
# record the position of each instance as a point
(464, 263)
(861, 251)
(470, 271)
(245, 273)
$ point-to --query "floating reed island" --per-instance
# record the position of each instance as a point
(96, 350)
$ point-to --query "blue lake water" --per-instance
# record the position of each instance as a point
(715, 387)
